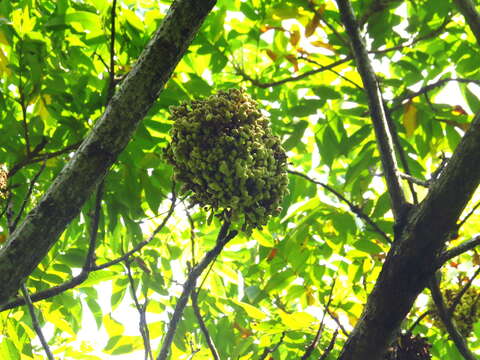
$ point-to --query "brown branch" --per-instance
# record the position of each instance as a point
(337, 320)
(471, 15)
(265, 85)
(446, 318)
(470, 213)
(377, 113)
(318, 335)
(419, 319)
(203, 327)
(142, 312)
(354, 208)
(111, 68)
(268, 350)
(330, 346)
(224, 236)
(401, 100)
(36, 324)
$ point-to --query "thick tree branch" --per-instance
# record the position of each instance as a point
(413, 258)
(471, 15)
(224, 236)
(446, 318)
(375, 103)
(32, 239)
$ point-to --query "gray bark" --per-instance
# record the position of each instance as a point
(31, 241)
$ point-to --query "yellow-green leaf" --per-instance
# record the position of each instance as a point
(410, 118)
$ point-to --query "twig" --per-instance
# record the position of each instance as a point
(318, 335)
(268, 350)
(192, 236)
(458, 250)
(472, 17)
(265, 85)
(424, 183)
(41, 157)
(401, 100)
(337, 320)
(203, 327)
(458, 297)
(419, 319)
(111, 69)
(355, 209)
(446, 318)
(35, 322)
(27, 197)
(377, 113)
(80, 278)
(330, 346)
(471, 212)
(142, 312)
(223, 238)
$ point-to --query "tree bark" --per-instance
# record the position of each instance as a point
(31, 241)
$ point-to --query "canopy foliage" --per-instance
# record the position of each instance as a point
(294, 289)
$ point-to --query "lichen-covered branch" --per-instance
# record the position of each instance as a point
(33, 238)
(377, 112)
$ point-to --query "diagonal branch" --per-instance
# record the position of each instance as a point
(458, 250)
(446, 318)
(224, 236)
(354, 208)
(375, 103)
(203, 326)
(70, 190)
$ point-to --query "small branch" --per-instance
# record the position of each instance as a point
(424, 183)
(355, 209)
(111, 68)
(267, 350)
(142, 310)
(337, 320)
(419, 319)
(192, 236)
(203, 327)
(471, 15)
(318, 335)
(458, 298)
(330, 346)
(471, 212)
(265, 85)
(41, 157)
(377, 113)
(223, 238)
(87, 268)
(446, 318)
(458, 250)
(27, 197)
(35, 322)
(401, 100)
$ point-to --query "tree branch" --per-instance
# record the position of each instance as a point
(203, 327)
(110, 135)
(35, 322)
(355, 209)
(267, 350)
(446, 318)
(375, 103)
(330, 346)
(223, 238)
(458, 250)
(88, 267)
(471, 15)
(413, 259)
